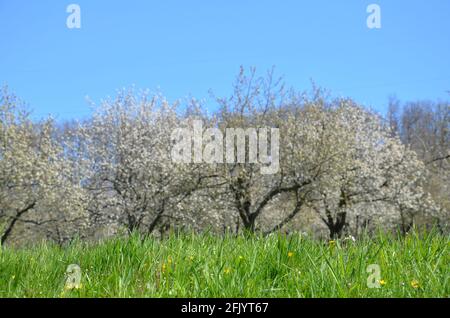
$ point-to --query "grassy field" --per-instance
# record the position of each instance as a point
(208, 266)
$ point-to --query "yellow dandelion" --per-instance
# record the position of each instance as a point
(290, 254)
(382, 282)
(72, 287)
(77, 287)
(415, 284)
(227, 270)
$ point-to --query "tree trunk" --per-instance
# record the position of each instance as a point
(336, 227)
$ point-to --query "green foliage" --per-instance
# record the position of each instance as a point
(230, 266)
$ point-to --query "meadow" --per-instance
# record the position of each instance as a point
(204, 265)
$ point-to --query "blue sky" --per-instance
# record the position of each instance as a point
(189, 47)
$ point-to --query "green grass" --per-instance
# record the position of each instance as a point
(211, 266)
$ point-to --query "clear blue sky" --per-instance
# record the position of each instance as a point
(187, 47)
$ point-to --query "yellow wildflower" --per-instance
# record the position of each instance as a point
(290, 254)
(382, 282)
(332, 243)
(227, 270)
(72, 287)
(415, 284)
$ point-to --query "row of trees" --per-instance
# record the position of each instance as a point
(339, 162)
(425, 127)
